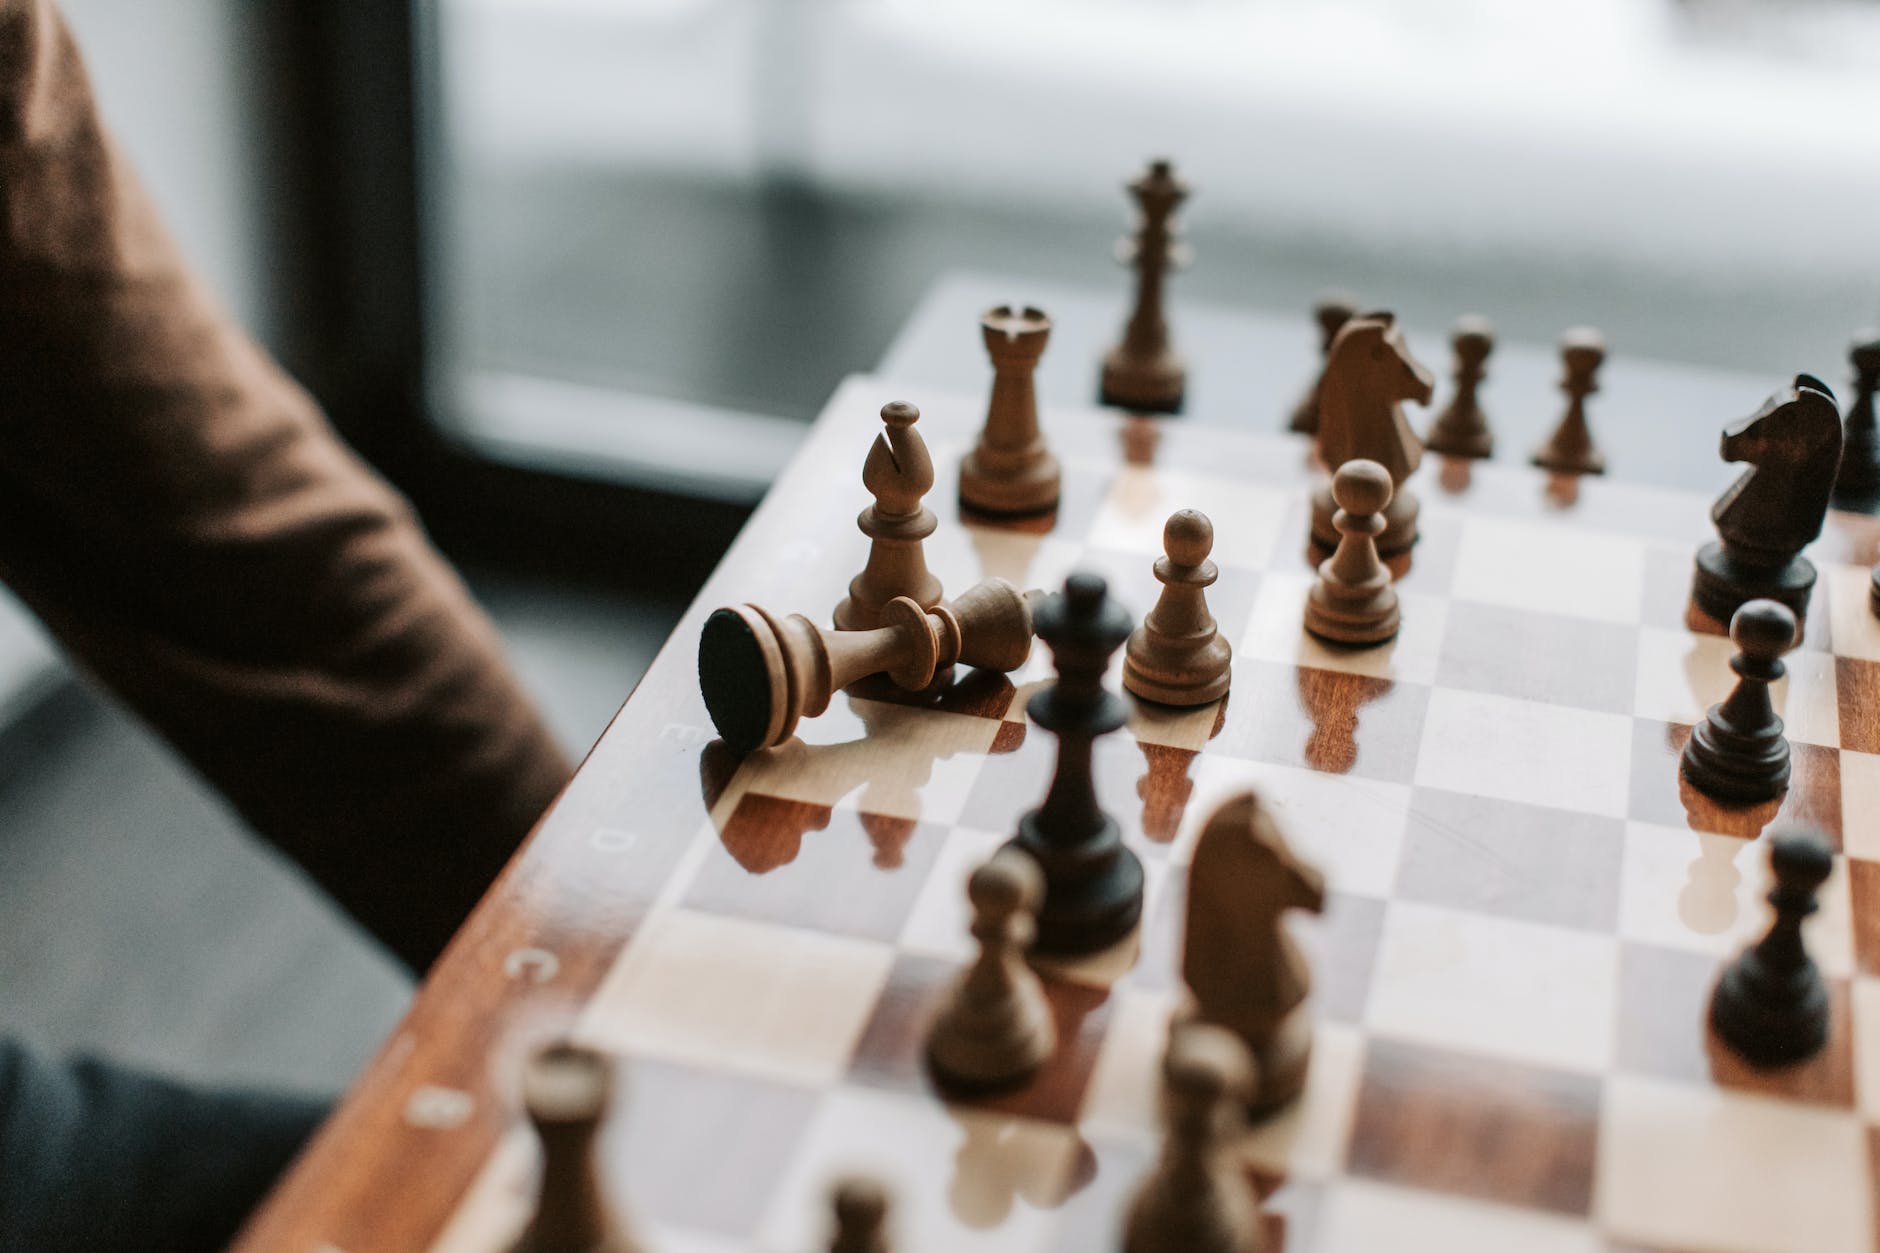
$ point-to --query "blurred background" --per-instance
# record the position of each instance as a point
(575, 274)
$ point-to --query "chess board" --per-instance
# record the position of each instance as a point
(1527, 908)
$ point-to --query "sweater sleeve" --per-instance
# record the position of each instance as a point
(189, 526)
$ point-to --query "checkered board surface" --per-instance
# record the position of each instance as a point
(1527, 909)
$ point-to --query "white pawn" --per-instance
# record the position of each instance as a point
(1178, 656)
(861, 1214)
(995, 1027)
(1353, 601)
(1196, 1199)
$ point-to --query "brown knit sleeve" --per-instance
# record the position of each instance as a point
(192, 530)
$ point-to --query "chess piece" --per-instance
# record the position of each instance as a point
(1461, 429)
(1196, 1198)
(1776, 507)
(1368, 375)
(1873, 591)
(1333, 310)
(1093, 883)
(1353, 601)
(1010, 471)
(761, 674)
(1144, 373)
(861, 1216)
(566, 1090)
(995, 1028)
(1570, 449)
(1178, 656)
(1738, 753)
(1859, 475)
(898, 473)
(1243, 968)
(1771, 1005)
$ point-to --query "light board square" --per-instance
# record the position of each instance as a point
(1683, 1166)
(1523, 751)
(1551, 569)
(753, 998)
(1475, 984)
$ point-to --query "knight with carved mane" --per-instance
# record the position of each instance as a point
(1369, 373)
(1775, 508)
(1243, 970)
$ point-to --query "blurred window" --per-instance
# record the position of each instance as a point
(667, 227)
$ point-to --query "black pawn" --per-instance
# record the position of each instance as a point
(1738, 753)
(1093, 884)
(1859, 476)
(1771, 1005)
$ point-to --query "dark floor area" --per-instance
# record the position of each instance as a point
(138, 917)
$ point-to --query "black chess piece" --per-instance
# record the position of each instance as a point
(1738, 753)
(1771, 1005)
(1859, 477)
(1093, 884)
(1777, 507)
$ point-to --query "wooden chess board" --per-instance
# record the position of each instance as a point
(1527, 909)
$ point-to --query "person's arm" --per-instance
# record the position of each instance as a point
(185, 521)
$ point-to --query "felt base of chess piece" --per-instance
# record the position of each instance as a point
(761, 673)
(1723, 584)
(1400, 532)
(1178, 656)
(1157, 384)
(1738, 752)
(995, 1027)
(1771, 1004)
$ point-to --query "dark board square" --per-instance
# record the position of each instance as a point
(1661, 794)
(1864, 890)
(892, 1050)
(1664, 1003)
(1477, 1127)
(1857, 689)
(837, 871)
(1512, 860)
(1326, 720)
(1543, 657)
